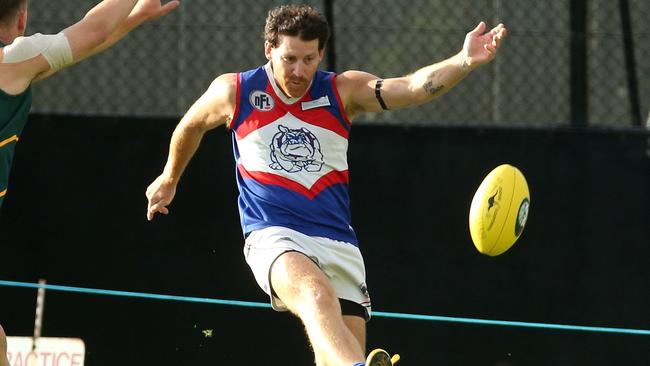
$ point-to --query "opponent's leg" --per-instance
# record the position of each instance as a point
(307, 292)
(3, 348)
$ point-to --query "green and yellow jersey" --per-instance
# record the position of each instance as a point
(14, 110)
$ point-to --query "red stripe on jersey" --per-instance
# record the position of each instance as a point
(321, 117)
(329, 179)
(258, 119)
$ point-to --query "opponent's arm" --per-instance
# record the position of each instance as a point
(360, 93)
(40, 53)
(144, 10)
(214, 108)
(98, 24)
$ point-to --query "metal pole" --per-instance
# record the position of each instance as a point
(182, 60)
(630, 63)
(40, 306)
(579, 73)
(647, 127)
(38, 322)
(330, 48)
(496, 69)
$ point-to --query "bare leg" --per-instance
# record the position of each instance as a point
(357, 326)
(307, 292)
(3, 348)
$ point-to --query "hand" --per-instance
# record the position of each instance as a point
(153, 9)
(159, 194)
(480, 48)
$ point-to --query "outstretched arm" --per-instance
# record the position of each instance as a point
(28, 57)
(214, 108)
(144, 10)
(357, 88)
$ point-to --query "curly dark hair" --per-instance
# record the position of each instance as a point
(296, 20)
(8, 8)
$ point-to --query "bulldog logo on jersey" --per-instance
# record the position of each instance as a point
(293, 150)
(262, 101)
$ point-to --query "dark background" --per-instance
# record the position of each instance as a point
(75, 215)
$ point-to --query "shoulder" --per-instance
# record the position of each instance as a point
(220, 98)
(44, 53)
(224, 86)
(225, 81)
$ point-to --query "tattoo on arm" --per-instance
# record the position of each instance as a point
(463, 64)
(430, 89)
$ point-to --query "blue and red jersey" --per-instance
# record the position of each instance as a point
(291, 156)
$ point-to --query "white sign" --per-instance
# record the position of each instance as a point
(48, 352)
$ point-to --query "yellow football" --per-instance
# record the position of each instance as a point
(499, 210)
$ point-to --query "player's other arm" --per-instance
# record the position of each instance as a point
(358, 89)
(214, 108)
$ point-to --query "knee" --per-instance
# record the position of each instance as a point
(318, 294)
(301, 285)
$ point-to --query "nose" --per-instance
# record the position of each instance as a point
(299, 70)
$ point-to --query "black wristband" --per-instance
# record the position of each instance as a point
(378, 85)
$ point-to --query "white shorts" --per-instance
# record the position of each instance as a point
(341, 262)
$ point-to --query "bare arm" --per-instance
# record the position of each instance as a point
(214, 108)
(144, 10)
(96, 27)
(357, 88)
(25, 57)
(16, 77)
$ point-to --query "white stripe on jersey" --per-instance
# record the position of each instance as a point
(255, 151)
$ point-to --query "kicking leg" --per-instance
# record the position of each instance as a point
(307, 292)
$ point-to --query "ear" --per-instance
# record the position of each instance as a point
(267, 50)
(22, 21)
(321, 54)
